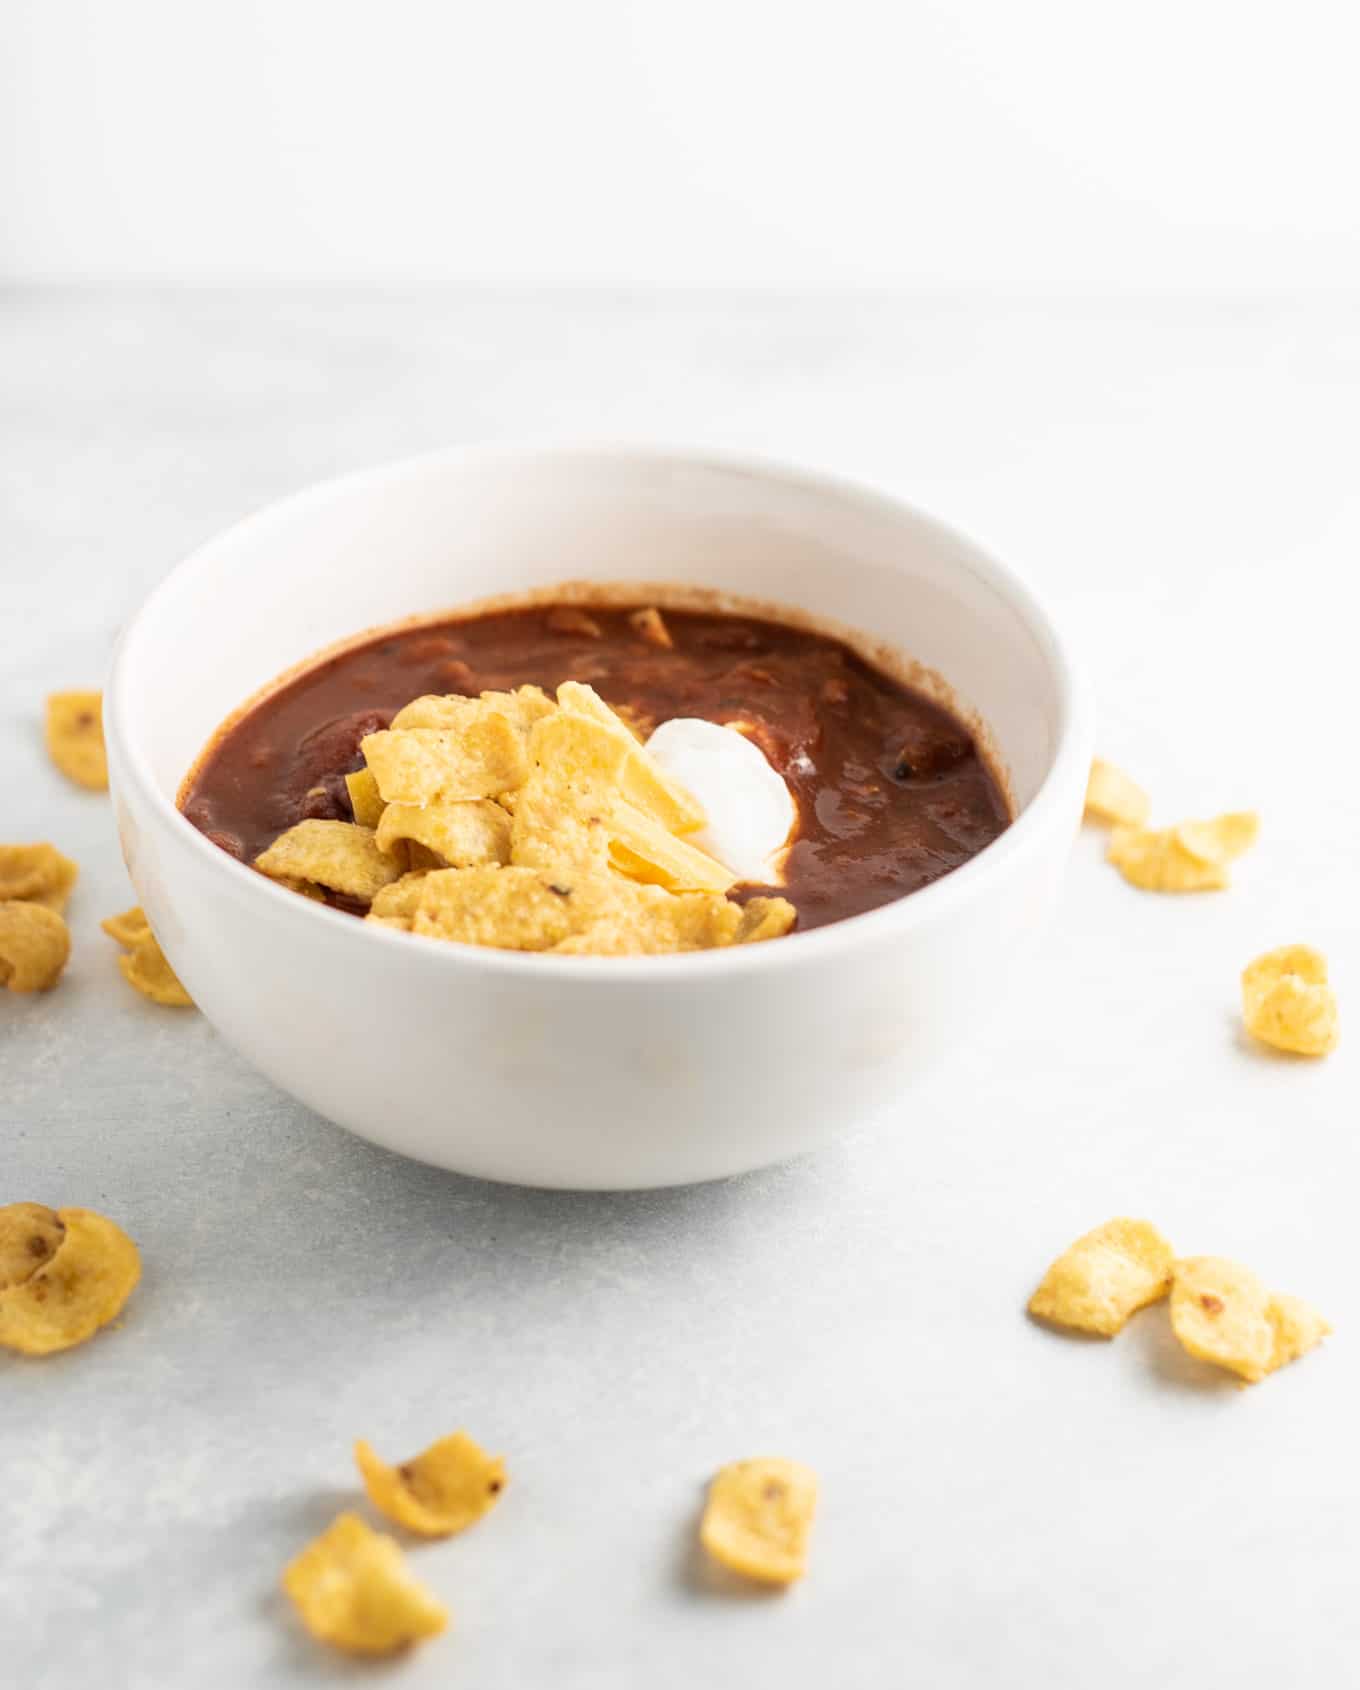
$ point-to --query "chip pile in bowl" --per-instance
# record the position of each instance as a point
(528, 824)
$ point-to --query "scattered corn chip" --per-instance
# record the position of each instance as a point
(1297, 1328)
(432, 765)
(643, 850)
(650, 625)
(638, 722)
(365, 800)
(579, 759)
(462, 835)
(616, 760)
(521, 708)
(34, 946)
(1286, 1001)
(1221, 840)
(340, 855)
(1157, 860)
(75, 737)
(1112, 796)
(758, 1519)
(765, 918)
(438, 1493)
(452, 712)
(401, 899)
(29, 1236)
(352, 1589)
(129, 928)
(36, 874)
(147, 971)
(1219, 1311)
(604, 938)
(515, 909)
(566, 619)
(1106, 1276)
(77, 1287)
(693, 921)
(143, 963)
(1223, 1314)
(303, 888)
(544, 835)
(577, 699)
(647, 921)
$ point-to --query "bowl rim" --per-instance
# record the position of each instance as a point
(898, 918)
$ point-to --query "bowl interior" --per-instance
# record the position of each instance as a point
(438, 532)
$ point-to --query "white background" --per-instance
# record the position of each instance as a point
(1174, 474)
(1001, 1507)
(1176, 143)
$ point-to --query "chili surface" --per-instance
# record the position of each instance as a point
(890, 789)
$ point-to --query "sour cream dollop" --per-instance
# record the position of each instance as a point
(750, 809)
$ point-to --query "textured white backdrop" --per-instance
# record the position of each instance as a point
(1179, 142)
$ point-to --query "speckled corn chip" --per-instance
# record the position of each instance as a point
(1154, 860)
(29, 1236)
(1222, 1313)
(516, 909)
(303, 888)
(1106, 1276)
(560, 810)
(544, 835)
(577, 699)
(129, 928)
(340, 855)
(649, 921)
(463, 835)
(1113, 796)
(1220, 840)
(37, 874)
(650, 625)
(521, 708)
(1286, 1001)
(644, 850)
(75, 737)
(524, 706)
(145, 969)
(450, 711)
(610, 752)
(765, 918)
(437, 1493)
(365, 800)
(143, 964)
(34, 946)
(758, 1519)
(433, 765)
(76, 1288)
(352, 1589)
(604, 938)
(401, 899)
(1297, 1328)
(571, 619)
(578, 755)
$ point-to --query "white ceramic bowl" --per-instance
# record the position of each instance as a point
(567, 1071)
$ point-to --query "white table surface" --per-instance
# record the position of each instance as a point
(1000, 1506)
